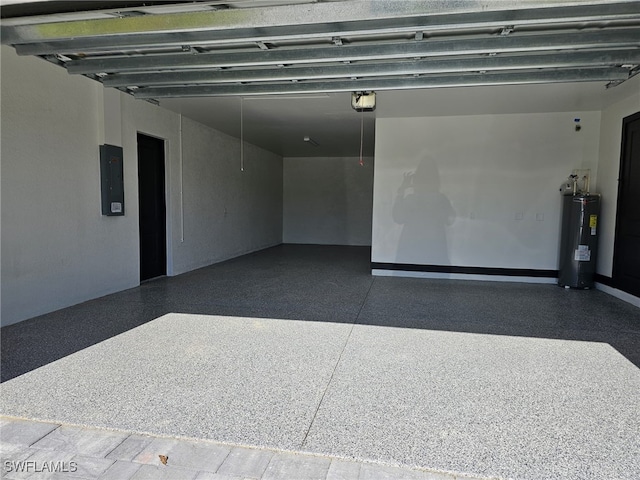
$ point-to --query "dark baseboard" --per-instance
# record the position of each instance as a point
(508, 272)
(608, 281)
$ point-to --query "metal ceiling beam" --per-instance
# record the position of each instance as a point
(292, 22)
(459, 65)
(518, 78)
(628, 37)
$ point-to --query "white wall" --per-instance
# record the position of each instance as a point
(227, 212)
(327, 200)
(477, 190)
(57, 248)
(608, 170)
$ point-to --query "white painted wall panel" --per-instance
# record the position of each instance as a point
(476, 190)
(57, 248)
(328, 200)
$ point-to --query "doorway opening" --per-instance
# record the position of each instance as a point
(152, 208)
(626, 252)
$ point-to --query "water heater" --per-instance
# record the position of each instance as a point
(579, 239)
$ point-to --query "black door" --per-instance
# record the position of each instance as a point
(626, 256)
(153, 249)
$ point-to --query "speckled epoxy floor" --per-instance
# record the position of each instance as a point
(298, 348)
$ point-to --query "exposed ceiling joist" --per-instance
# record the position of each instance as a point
(414, 67)
(480, 44)
(339, 45)
(290, 23)
(520, 78)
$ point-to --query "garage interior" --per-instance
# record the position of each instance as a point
(296, 299)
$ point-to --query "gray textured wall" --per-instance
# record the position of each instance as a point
(327, 200)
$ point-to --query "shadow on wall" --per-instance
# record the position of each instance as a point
(424, 213)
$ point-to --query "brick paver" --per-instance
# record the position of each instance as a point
(31, 449)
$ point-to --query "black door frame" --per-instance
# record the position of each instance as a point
(165, 200)
(616, 279)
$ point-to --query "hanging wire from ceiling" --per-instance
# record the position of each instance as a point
(361, 137)
(242, 134)
(181, 164)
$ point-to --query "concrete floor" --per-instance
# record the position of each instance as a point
(298, 348)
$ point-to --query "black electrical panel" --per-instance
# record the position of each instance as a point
(112, 180)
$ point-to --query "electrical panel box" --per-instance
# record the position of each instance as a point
(112, 180)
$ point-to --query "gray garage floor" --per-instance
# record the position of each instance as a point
(299, 349)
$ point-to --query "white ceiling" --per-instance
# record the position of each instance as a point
(279, 123)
